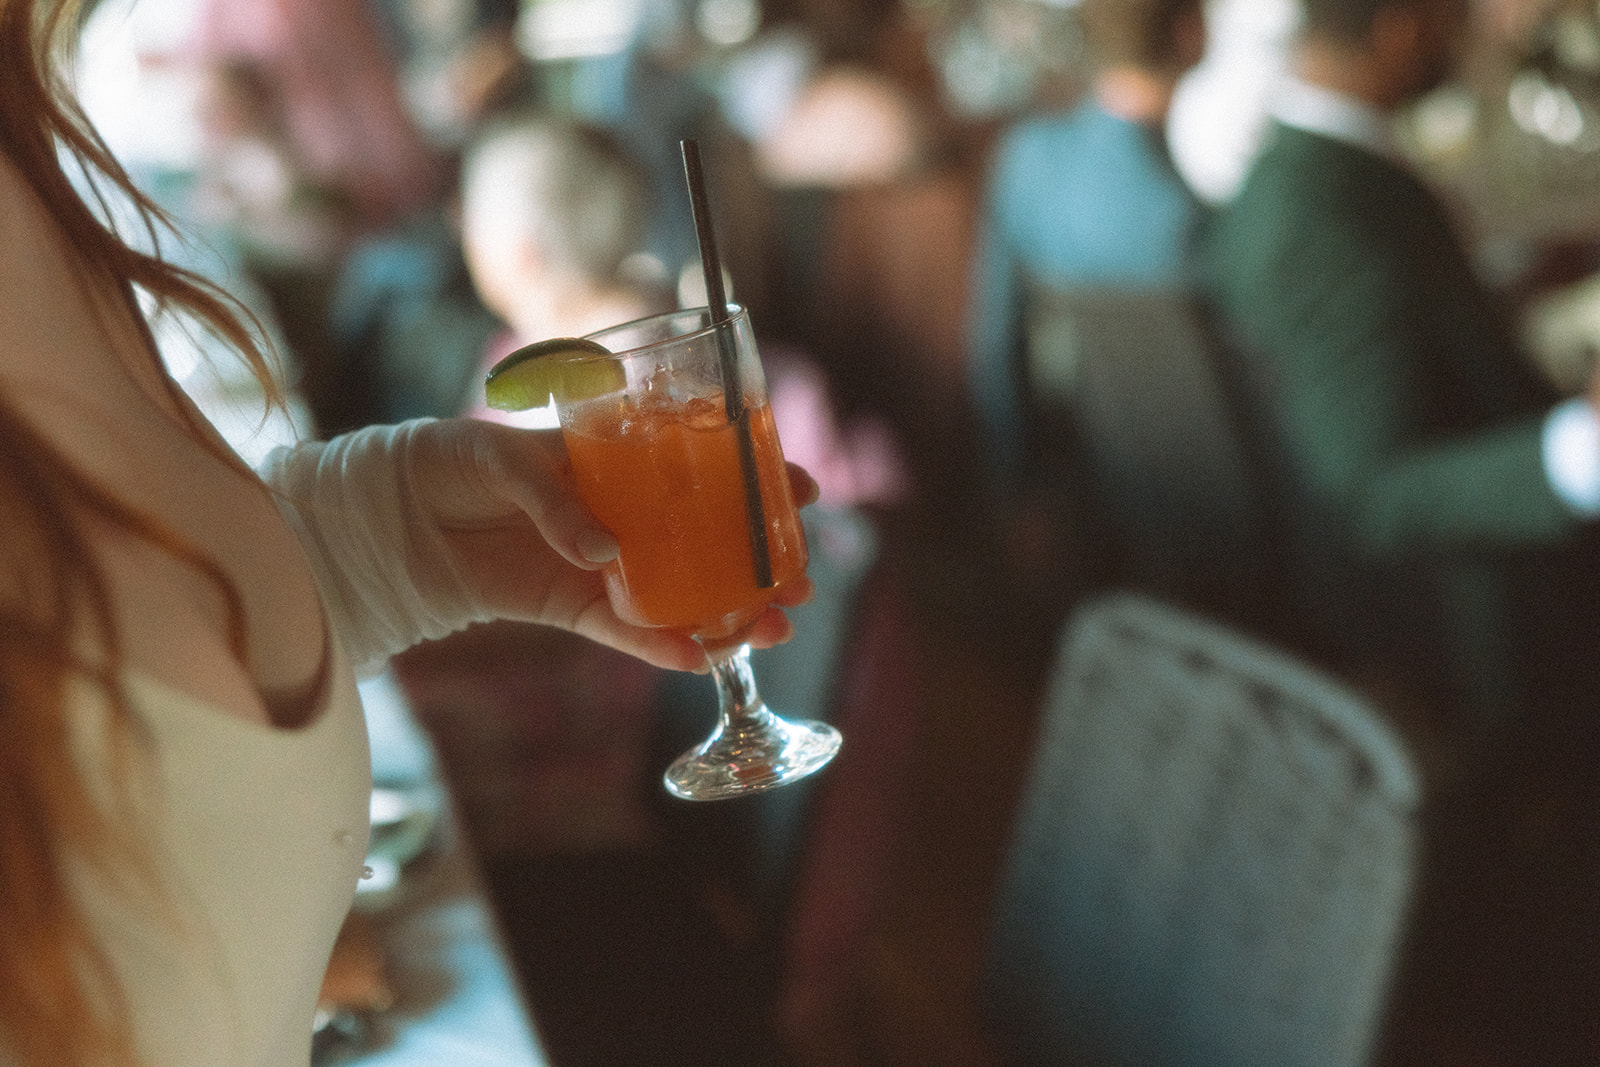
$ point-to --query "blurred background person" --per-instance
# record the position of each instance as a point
(457, 61)
(307, 147)
(323, 81)
(400, 320)
(819, 131)
(554, 213)
(1442, 500)
(1441, 491)
(1086, 198)
(374, 312)
(555, 221)
(651, 90)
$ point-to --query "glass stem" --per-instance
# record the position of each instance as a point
(737, 698)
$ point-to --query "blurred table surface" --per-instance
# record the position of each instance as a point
(456, 995)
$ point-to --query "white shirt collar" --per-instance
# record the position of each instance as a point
(1343, 118)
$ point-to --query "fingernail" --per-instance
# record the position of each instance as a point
(597, 546)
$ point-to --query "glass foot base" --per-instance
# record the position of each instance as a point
(759, 752)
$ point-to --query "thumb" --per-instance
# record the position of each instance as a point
(530, 470)
(476, 475)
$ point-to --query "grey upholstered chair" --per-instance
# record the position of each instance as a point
(1212, 858)
(1144, 387)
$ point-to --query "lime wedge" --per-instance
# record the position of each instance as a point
(562, 367)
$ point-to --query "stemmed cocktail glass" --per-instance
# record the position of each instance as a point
(691, 481)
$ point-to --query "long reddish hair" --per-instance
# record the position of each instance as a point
(59, 1002)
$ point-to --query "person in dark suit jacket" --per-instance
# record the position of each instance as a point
(1441, 496)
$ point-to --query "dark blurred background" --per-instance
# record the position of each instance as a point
(332, 159)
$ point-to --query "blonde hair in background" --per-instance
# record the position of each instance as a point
(59, 1003)
(567, 189)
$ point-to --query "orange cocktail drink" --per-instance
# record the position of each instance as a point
(666, 480)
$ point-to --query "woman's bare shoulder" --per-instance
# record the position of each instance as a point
(26, 226)
(63, 334)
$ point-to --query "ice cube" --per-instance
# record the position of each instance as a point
(704, 413)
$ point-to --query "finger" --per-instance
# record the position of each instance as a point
(661, 648)
(577, 601)
(792, 594)
(530, 470)
(805, 489)
(772, 628)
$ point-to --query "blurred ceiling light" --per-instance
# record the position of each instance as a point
(1546, 109)
(1445, 122)
(1220, 110)
(846, 128)
(1575, 39)
(727, 23)
(572, 29)
(130, 68)
(986, 70)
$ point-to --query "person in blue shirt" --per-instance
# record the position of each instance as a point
(1087, 197)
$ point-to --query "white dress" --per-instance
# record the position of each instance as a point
(259, 835)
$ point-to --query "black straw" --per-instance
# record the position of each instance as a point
(728, 358)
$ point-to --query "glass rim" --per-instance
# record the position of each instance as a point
(736, 312)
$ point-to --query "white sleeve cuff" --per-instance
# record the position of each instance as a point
(386, 573)
(1572, 456)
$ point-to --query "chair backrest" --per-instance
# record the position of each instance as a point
(1212, 857)
(1141, 376)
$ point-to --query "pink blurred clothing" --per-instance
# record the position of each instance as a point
(855, 463)
(333, 88)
